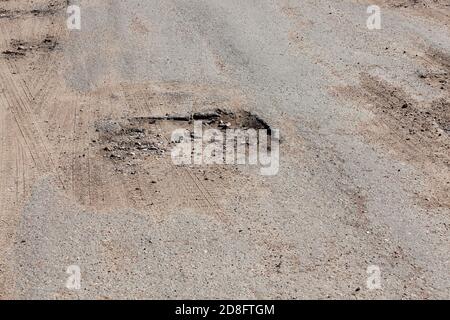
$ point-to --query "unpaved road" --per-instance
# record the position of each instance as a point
(364, 157)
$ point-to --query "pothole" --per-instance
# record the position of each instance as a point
(134, 139)
(220, 119)
(19, 48)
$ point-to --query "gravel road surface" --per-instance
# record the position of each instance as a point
(359, 207)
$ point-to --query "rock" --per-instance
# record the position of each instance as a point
(224, 125)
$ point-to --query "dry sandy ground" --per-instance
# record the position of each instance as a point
(87, 178)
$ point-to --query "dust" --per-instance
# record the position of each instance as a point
(437, 66)
(417, 126)
(416, 132)
(414, 3)
(433, 10)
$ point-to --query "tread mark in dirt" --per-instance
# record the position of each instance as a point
(21, 106)
(200, 189)
(414, 127)
(131, 101)
(192, 188)
(437, 74)
(42, 82)
(29, 130)
(51, 9)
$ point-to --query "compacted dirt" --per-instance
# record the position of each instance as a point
(87, 177)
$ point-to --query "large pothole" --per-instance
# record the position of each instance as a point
(140, 137)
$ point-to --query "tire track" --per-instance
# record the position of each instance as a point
(194, 188)
(26, 122)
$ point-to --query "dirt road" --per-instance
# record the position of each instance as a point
(87, 177)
